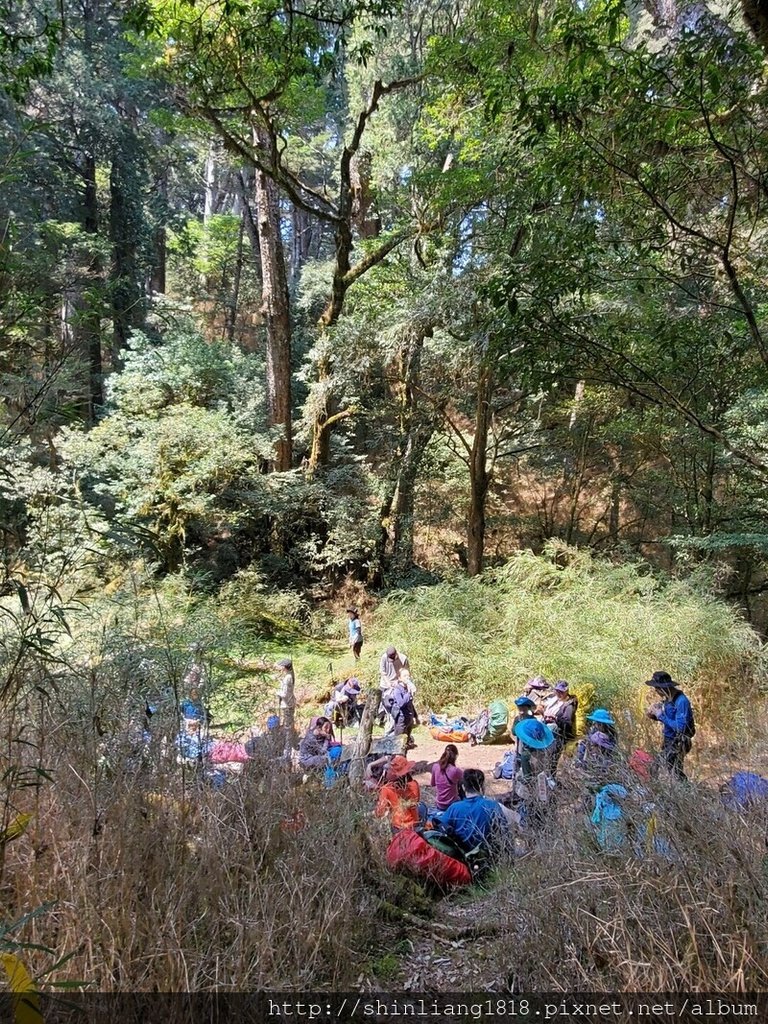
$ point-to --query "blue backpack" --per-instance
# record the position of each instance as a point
(507, 769)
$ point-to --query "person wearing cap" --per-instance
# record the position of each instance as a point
(560, 716)
(674, 711)
(400, 796)
(475, 821)
(391, 665)
(526, 708)
(313, 749)
(355, 628)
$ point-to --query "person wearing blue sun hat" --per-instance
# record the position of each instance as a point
(599, 749)
(532, 737)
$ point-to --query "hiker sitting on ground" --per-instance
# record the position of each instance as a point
(267, 742)
(447, 778)
(375, 772)
(599, 749)
(355, 628)
(538, 689)
(193, 707)
(560, 716)
(192, 744)
(526, 708)
(675, 713)
(400, 796)
(475, 821)
(313, 750)
(533, 739)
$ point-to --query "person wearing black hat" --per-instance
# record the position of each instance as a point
(355, 628)
(675, 713)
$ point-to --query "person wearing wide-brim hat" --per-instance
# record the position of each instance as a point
(532, 737)
(599, 748)
(560, 716)
(400, 796)
(674, 711)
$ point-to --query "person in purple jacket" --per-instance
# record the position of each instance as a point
(447, 778)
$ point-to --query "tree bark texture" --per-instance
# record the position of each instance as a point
(479, 476)
(276, 311)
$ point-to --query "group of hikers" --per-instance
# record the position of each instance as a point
(459, 831)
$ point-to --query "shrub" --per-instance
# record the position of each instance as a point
(603, 627)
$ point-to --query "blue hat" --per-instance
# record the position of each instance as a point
(602, 716)
(534, 734)
(272, 722)
(525, 702)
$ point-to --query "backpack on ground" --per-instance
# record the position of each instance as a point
(507, 767)
(498, 722)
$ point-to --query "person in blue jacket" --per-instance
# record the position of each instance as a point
(475, 821)
(675, 713)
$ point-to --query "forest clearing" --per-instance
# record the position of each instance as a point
(383, 461)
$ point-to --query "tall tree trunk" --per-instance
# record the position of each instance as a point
(403, 515)
(231, 318)
(126, 217)
(90, 305)
(157, 278)
(276, 310)
(479, 477)
(415, 433)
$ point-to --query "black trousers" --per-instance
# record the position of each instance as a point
(673, 753)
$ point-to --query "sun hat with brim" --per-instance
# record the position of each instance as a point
(661, 681)
(534, 734)
(561, 686)
(399, 766)
(602, 716)
(285, 663)
(538, 683)
(525, 702)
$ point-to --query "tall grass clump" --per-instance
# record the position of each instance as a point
(688, 915)
(156, 882)
(565, 614)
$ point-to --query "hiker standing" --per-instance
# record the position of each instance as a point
(287, 702)
(674, 711)
(560, 716)
(355, 628)
(399, 704)
(391, 664)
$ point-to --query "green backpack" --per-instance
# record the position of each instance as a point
(498, 721)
